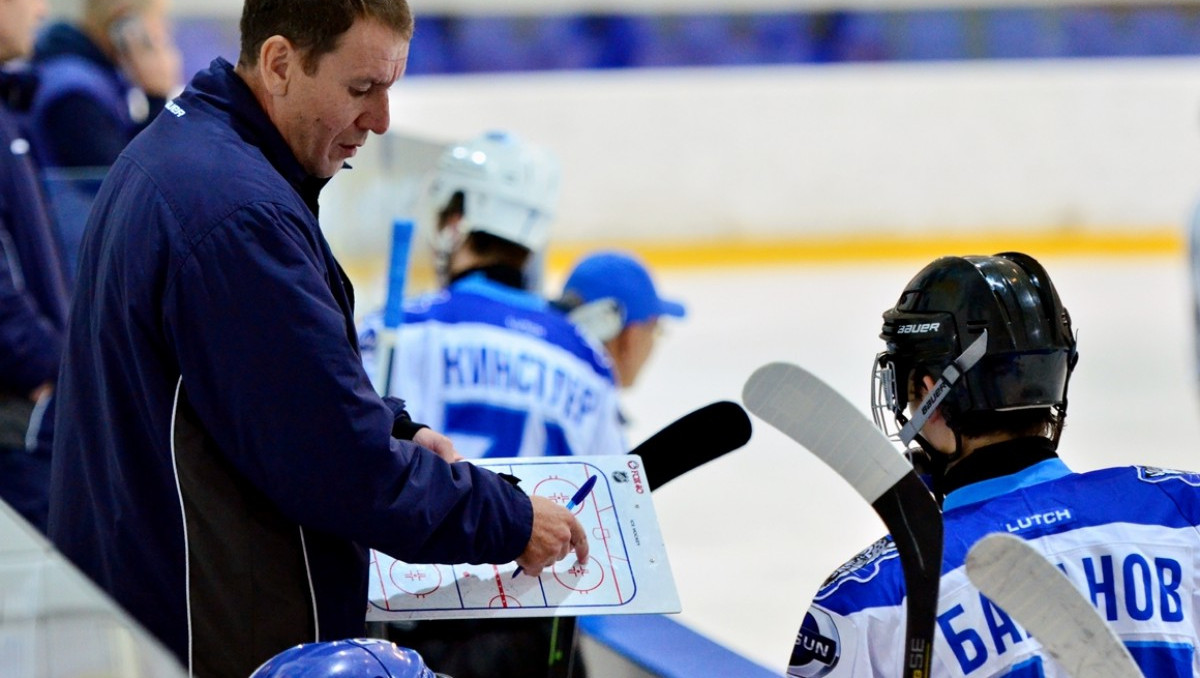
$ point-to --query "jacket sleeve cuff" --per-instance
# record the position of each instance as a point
(403, 427)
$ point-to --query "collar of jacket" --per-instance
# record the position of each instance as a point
(223, 90)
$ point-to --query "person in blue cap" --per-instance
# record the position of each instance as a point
(611, 296)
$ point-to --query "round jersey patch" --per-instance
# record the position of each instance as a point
(817, 647)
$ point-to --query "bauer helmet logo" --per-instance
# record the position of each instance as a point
(918, 328)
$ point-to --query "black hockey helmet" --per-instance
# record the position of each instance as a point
(1001, 311)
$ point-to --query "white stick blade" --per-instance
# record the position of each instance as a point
(1041, 598)
(810, 412)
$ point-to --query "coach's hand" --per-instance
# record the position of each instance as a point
(556, 533)
(438, 443)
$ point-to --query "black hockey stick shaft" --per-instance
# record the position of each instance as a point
(815, 415)
(916, 529)
(689, 442)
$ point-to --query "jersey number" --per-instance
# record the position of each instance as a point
(503, 428)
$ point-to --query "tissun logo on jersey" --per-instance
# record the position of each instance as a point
(818, 646)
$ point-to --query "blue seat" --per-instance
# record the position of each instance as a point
(859, 36)
(489, 44)
(1164, 31)
(934, 34)
(1091, 32)
(1022, 34)
(429, 52)
(783, 38)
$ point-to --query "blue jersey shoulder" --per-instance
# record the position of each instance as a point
(1138, 495)
(476, 300)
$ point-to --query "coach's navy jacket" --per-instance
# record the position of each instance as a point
(221, 460)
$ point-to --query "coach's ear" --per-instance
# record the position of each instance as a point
(278, 63)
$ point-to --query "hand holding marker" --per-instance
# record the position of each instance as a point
(576, 500)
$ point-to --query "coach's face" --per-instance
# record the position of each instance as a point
(325, 116)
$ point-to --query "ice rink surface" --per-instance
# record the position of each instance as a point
(752, 535)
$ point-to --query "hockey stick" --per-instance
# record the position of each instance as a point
(1037, 594)
(693, 440)
(689, 442)
(813, 414)
(393, 309)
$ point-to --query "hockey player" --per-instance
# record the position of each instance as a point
(493, 365)
(484, 360)
(1126, 537)
(611, 296)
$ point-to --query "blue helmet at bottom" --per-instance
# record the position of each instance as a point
(354, 658)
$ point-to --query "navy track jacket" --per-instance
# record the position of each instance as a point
(221, 461)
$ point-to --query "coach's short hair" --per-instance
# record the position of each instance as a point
(314, 26)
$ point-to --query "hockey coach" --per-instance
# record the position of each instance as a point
(222, 464)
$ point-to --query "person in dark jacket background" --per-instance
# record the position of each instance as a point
(222, 463)
(33, 288)
(101, 81)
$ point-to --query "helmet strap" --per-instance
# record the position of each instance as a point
(953, 372)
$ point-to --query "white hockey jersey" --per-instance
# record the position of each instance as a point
(501, 373)
(1126, 537)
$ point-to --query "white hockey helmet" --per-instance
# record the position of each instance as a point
(509, 190)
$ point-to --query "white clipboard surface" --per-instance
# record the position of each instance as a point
(627, 570)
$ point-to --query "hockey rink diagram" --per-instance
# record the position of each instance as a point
(624, 572)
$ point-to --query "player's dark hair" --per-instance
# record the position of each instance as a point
(314, 26)
(497, 250)
(494, 249)
(1029, 421)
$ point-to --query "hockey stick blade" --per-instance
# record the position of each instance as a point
(813, 414)
(693, 440)
(1034, 592)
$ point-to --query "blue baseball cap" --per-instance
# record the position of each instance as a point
(622, 277)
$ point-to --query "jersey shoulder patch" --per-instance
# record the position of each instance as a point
(862, 567)
(1153, 474)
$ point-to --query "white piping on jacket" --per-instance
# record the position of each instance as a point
(187, 567)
